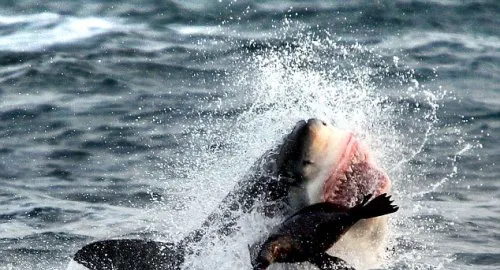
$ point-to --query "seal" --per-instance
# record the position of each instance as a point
(315, 162)
(309, 233)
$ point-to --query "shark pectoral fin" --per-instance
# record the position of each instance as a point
(326, 262)
(130, 254)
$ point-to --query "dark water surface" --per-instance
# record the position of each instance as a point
(133, 118)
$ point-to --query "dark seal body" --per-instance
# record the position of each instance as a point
(309, 233)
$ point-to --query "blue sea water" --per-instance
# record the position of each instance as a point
(134, 118)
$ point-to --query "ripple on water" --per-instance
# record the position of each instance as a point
(490, 259)
(43, 217)
(17, 114)
(117, 146)
(46, 250)
(112, 197)
(59, 174)
(5, 150)
(67, 154)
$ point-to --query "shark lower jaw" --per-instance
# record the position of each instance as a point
(354, 176)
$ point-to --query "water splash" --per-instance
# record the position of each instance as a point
(310, 76)
(311, 73)
(451, 175)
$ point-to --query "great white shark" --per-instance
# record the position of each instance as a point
(316, 162)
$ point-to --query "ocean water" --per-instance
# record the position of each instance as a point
(134, 118)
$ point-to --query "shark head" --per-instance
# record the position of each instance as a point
(325, 163)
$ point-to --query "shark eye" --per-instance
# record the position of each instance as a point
(307, 162)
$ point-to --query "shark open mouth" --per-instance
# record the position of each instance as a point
(355, 175)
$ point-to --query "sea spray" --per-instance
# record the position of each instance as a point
(307, 76)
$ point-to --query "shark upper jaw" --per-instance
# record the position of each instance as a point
(354, 176)
(340, 168)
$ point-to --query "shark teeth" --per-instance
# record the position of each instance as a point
(358, 157)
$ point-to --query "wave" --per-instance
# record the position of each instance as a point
(38, 19)
(37, 32)
(429, 40)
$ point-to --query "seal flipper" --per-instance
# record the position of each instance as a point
(326, 262)
(381, 205)
(130, 254)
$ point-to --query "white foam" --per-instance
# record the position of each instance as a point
(75, 266)
(196, 29)
(417, 39)
(38, 19)
(218, 30)
(49, 29)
